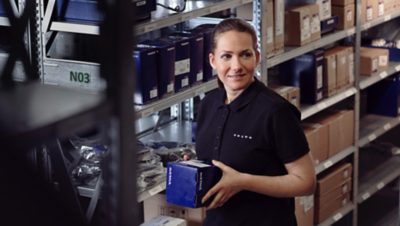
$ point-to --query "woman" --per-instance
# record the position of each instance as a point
(253, 135)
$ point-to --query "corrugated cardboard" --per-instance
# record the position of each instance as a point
(315, 22)
(279, 24)
(346, 129)
(342, 2)
(325, 11)
(334, 176)
(304, 210)
(346, 16)
(294, 96)
(297, 26)
(157, 205)
(329, 77)
(321, 215)
(317, 137)
(341, 189)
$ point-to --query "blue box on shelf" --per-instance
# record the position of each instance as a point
(188, 182)
(146, 75)
(196, 55)
(383, 98)
(305, 72)
(2, 10)
(394, 53)
(329, 25)
(166, 63)
(206, 30)
(79, 10)
(182, 61)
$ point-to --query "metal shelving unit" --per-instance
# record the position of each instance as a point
(307, 111)
(379, 178)
(334, 159)
(380, 21)
(373, 126)
(367, 81)
(338, 215)
(292, 52)
(4, 21)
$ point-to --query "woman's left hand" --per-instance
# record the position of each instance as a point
(227, 186)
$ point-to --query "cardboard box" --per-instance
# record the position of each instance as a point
(281, 90)
(165, 221)
(346, 16)
(294, 96)
(331, 178)
(297, 26)
(329, 76)
(346, 129)
(304, 210)
(279, 25)
(325, 11)
(315, 23)
(156, 205)
(317, 138)
(339, 190)
(373, 60)
(189, 181)
(381, 8)
(342, 2)
(321, 215)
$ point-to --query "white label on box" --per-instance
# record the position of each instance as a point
(383, 61)
(380, 185)
(199, 76)
(315, 24)
(375, 64)
(387, 126)
(381, 9)
(182, 66)
(369, 13)
(343, 60)
(195, 163)
(319, 77)
(170, 87)
(326, 5)
(345, 188)
(345, 174)
(279, 17)
(185, 82)
(307, 201)
(349, 15)
(305, 32)
(333, 65)
(153, 93)
(270, 34)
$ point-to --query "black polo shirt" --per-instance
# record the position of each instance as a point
(257, 133)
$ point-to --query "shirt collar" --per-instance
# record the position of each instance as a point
(244, 98)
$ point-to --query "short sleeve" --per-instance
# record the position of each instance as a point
(289, 140)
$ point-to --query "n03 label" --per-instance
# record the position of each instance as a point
(81, 77)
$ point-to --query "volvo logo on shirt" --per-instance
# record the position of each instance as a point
(242, 136)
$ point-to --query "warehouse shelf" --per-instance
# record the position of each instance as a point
(309, 110)
(292, 52)
(146, 110)
(4, 21)
(380, 20)
(378, 179)
(373, 126)
(338, 215)
(88, 191)
(90, 29)
(160, 18)
(390, 219)
(34, 113)
(366, 81)
(74, 74)
(334, 159)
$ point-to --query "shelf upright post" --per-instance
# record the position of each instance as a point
(357, 103)
(258, 20)
(118, 69)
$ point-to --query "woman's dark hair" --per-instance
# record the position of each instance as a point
(233, 24)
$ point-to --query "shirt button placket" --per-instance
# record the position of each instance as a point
(220, 127)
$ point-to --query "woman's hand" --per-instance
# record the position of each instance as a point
(227, 186)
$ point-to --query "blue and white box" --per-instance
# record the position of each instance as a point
(189, 181)
(146, 75)
(79, 10)
(182, 61)
(196, 55)
(166, 63)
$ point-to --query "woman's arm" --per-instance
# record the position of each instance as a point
(299, 181)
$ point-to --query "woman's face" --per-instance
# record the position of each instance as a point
(235, 60)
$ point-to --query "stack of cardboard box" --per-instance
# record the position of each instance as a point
(373, 60)
(345, 10)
